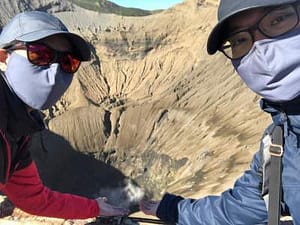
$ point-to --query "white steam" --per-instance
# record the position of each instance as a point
(125, 196)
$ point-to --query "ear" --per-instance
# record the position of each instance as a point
(3, 55)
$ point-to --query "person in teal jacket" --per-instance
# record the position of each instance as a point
(262, 40)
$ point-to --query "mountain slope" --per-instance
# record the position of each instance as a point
(10, 8)
(104, 6)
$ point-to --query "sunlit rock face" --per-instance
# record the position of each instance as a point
(151, 108)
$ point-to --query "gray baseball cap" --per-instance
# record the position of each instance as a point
(227, 9)
(35, 25)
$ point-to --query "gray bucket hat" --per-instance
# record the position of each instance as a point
(227, 9)
(35, 25)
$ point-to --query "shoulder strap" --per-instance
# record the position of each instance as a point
(275, 188)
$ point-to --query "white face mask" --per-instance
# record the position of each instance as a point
(39, 87)
(272, 67)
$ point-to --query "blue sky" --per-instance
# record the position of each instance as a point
(147, 4)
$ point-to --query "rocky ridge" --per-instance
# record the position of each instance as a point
(10, 8)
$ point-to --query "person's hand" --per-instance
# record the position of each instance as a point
(110, 210)
(149, 207)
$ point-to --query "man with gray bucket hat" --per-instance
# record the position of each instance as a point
(262, 40)
(38, 59)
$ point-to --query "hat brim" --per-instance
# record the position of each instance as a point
(82, 47)
(214, 38)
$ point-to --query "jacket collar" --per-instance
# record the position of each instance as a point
(286, 114)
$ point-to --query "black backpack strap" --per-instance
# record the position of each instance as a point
(275, 188)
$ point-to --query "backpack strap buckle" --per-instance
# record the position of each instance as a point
(276, 150)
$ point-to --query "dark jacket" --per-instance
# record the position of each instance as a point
(19, 179)
(16, 126)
